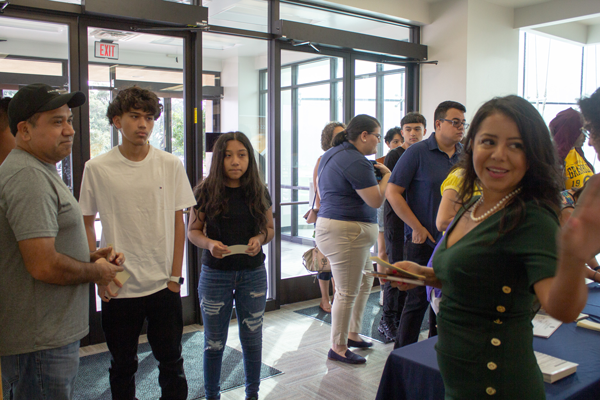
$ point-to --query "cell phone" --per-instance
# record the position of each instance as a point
(394, 278)
(378, 174)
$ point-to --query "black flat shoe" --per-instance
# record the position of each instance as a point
(350, 358)
(360, 344)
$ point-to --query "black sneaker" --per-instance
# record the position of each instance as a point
(387, 330)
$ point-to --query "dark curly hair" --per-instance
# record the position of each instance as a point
(590, 108)
(542, 182)
(134, 98)
(327, 134)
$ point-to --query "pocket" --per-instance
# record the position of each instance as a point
(353, 231)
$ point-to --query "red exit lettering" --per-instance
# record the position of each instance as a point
(107, 50)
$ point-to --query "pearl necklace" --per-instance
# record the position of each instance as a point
(493, 209)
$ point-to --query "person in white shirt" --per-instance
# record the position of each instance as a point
(140, 193)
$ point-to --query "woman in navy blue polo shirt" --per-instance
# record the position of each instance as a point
(347, 227)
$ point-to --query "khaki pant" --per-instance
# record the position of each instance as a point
(347, 245)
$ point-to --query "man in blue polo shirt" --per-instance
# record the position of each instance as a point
(419, 173)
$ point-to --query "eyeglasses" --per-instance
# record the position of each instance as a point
(585, 132)
(455, 123)
(377, 135)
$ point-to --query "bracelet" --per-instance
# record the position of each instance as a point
(594, 276)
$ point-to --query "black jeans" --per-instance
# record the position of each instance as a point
(393, 299)
(416, 299)
(122, 321)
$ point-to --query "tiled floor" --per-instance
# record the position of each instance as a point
(298, 346)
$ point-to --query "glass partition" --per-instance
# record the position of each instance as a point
(251, 15)
(151, 62)
(380, 92)
(238, 65)
(343, 21)
(311, 96)
(34, 52)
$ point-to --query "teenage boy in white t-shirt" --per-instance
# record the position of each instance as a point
(140, 193)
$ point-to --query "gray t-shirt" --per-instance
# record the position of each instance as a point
(34, 203)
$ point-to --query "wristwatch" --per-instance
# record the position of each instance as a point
(177, 279)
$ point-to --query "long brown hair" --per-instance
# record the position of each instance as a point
(210, 193)
(542, 181)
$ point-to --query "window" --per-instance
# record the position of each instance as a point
(556, 74)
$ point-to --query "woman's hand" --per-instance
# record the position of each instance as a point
(255, 244)
(384, 170)
(412, 267)
(579, 236)
(217, 249)
(407, 266)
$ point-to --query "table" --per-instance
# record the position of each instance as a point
(411, 372)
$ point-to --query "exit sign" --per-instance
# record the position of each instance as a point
(106, 50)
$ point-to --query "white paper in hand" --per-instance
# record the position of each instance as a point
(121, 277)
(237, 249)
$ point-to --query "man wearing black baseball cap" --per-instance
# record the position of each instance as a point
(46, 264)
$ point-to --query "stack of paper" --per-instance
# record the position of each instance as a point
(554, 368)
(544, 325)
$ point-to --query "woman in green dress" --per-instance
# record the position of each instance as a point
(500, 252)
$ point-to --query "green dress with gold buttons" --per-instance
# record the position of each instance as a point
(485, 335)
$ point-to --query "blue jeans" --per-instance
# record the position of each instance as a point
(217, 291)
(45, 374)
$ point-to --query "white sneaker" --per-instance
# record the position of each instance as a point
(381, 298)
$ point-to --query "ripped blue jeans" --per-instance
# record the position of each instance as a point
(217, 291)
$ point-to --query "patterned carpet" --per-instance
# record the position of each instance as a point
(92, 379)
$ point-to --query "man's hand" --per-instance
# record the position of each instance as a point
(109, 254)
(107, 271)
(420, 235)
(173, 287)
(255, 244)
(105, 293)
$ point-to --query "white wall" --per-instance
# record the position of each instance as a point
(478, 53)
(446, 39)
(492, 53)
(240, 104)
(229, 104)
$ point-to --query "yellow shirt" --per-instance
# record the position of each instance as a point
(454, 180)
(577, 171)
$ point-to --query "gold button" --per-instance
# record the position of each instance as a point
(498, 321)
(491, 391)
(496, 342)
(501, 308)
(492, 366)
(506, 289)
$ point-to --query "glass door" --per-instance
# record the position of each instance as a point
(118, 59)
(312, 93)
(380, 92)
(35, 52)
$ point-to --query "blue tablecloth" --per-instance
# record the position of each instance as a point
(412, 372)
